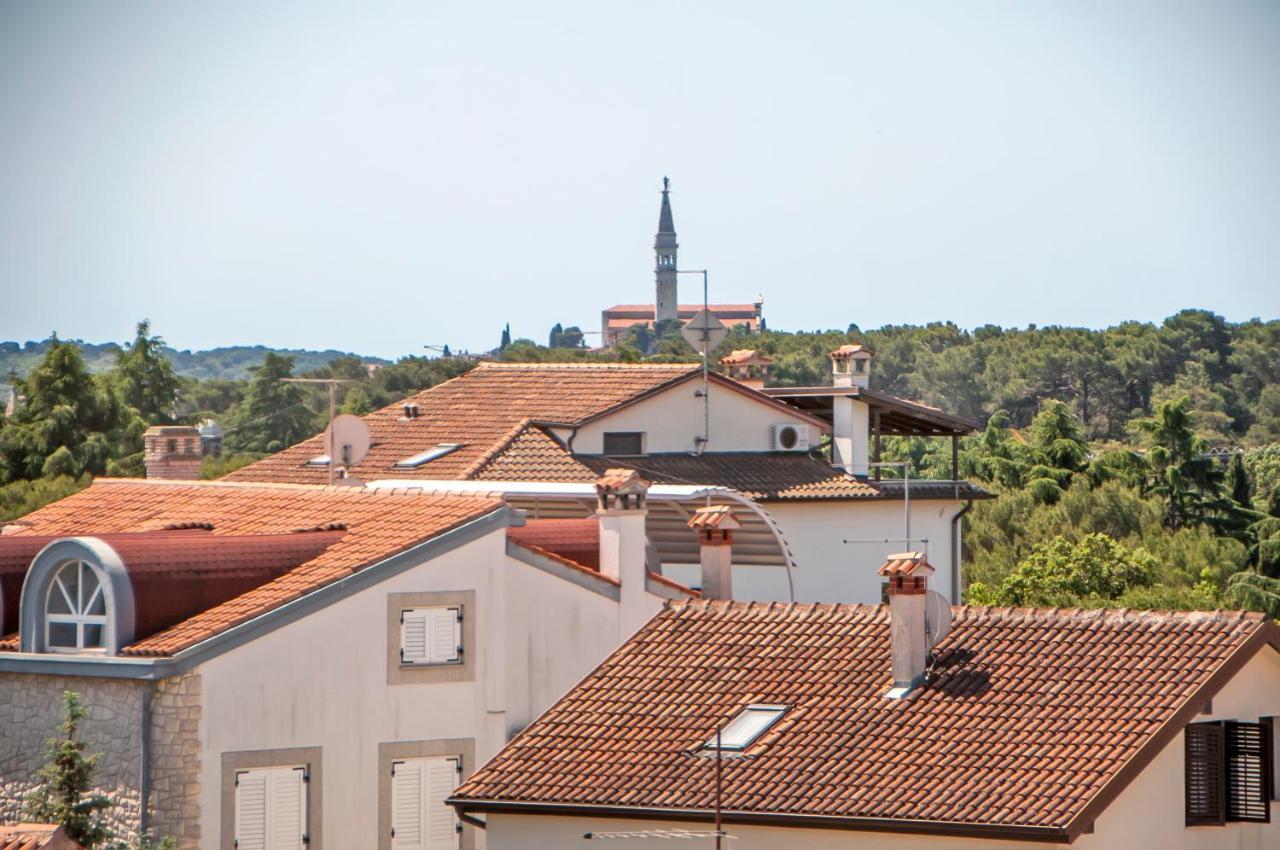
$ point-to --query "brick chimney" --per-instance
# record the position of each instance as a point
(747, 366)
(172, 452)
(908, 574)
(715, 526)
(621, 510)
(850, 416)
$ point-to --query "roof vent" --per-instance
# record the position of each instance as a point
(411, 410)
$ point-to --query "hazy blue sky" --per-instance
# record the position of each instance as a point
(375, 176)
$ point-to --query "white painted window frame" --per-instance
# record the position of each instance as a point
(78, 607)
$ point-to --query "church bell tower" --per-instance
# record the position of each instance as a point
(666, 303)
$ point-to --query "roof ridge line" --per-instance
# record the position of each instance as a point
(337, 489)
(490, 454)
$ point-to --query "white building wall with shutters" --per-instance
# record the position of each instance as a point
(321, 681)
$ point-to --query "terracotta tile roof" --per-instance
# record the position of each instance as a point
(907, 564)
(575, 539)
(1029, 721)
(684, 311)
(378, 524)
(35, 836)
(480, 409)
(844, 352)
(745, 355)
(766, 477)
(532, 455)
(714, 516)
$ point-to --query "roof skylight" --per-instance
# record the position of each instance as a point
(742, 731)
(421, 458)
(319, 460)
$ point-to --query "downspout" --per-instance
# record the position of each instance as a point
(955, 551)
(144, 779)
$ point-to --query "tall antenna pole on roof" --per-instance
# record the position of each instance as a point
(330, 446)
(705, 346)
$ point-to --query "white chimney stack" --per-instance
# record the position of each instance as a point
(850, 417)
(621, 511)
(715, 526)
(908, 574)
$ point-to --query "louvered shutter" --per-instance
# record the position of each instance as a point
(251, 810)
(1248, 758)
(407, 793)
(414, 641)
(442, 823)
(446, 635)
(420, 817)
(1205, 775)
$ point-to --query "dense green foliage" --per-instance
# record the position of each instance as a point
(1086, 436)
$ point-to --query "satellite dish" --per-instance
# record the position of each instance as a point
(704, 331)
(937, 617)
(350, 439)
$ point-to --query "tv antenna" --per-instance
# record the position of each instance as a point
(350, 438)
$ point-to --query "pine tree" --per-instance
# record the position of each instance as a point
(1238, 482)
(64, 795)
(556, 331)
(506, 337)
(273, 414)
(145, 377)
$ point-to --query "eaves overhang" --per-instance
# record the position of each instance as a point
(469, 807)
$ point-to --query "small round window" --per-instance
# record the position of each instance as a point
(76, 609)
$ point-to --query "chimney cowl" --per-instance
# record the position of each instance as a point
(715, 525)
(851, 366)
(621, 489)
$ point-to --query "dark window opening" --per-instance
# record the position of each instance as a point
(624, 443)
(1230, 772)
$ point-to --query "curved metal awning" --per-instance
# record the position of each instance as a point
(758, 543)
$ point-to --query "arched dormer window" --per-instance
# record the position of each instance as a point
(75, 611)
(76, 598)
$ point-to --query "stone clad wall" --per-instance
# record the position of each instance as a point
(31, 710)
(175, 759)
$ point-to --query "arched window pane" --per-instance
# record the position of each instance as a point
(62, 635)
(76, 609)
(58, 603)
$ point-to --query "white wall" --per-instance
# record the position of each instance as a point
(1148, 815)
(673, 419)
(829, 570)
(322, 680)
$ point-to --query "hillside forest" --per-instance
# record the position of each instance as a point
(1135, 466)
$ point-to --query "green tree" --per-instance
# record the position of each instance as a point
(145, 379)
(1062, 573)
(65, 793)
(69, 414)
(274, 413)
(506, 337)
(1189, 483)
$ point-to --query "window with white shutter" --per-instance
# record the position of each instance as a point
(420, 818)
(431, 635)
(271, 809)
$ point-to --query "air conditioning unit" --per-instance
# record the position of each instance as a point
(789, 437)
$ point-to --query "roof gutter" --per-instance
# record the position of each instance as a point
(142, 668)
(467, 807)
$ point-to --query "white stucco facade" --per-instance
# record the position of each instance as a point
(1147, 815)
(322, 682)
(830, 570)
(672, 421)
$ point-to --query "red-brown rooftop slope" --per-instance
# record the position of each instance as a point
(1031, 714)
(374, 525)
(479, 410)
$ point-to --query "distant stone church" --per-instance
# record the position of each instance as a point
(620, 318)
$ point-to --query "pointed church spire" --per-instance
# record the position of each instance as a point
(666, 305)
(665, 222)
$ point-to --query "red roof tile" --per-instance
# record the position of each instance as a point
(906, 564)
(481, 409)
(575, 539)
(377, 524)
(1027, 721)
(35, 836)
